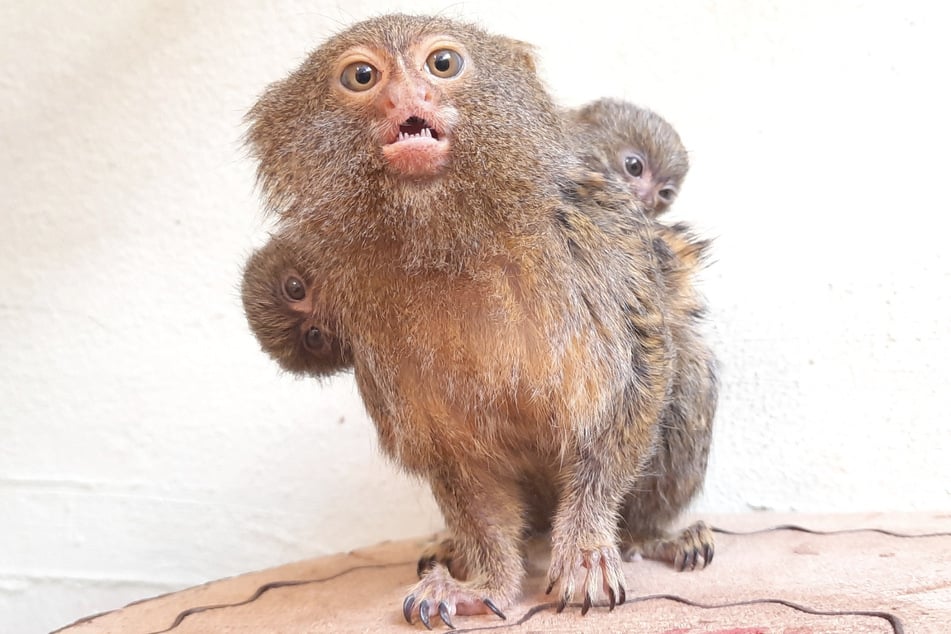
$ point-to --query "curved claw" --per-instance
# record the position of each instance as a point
(561, 606)
(586, 605)
(683, 561)
(424, 613)
(444, 615)
(691, 559)
(489, 604)
(612, 599)
(707, 554)
(550, 586)
(408, 608)
(622, 595)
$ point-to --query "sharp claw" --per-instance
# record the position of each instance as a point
(612, 599)
(408, 608)
(424, 613)
(707, 555)
(686, 564)
(621, 595)
(586, 605)
(561, 606)
(444, 615)
(550, 586)
(689, 560)
(488, 603)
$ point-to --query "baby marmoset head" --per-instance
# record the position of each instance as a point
(287, 313)
(636, 144)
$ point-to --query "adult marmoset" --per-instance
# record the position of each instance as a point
(509, 332)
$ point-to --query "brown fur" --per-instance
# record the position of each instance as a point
(511, 335)
(677, 469)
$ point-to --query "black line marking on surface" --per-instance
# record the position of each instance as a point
(893, 620)
(844, 531)
(271, 586)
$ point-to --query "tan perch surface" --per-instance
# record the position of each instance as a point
(850, 579)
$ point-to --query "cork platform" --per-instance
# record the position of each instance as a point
(773, 573)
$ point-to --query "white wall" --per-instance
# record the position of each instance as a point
(148, 445)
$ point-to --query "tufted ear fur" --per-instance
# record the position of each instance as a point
(524, 52)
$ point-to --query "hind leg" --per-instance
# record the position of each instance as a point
(691, 549)
(671, 480)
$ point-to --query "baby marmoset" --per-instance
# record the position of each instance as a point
(292, 321)
(635, 143)
(645, 152)
(510, 335)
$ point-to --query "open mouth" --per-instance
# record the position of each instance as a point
(416, 128)
(417, 149)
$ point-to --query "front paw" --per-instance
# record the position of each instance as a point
(438, 593)
(602, 571)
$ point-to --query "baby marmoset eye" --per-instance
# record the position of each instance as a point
(294, 289)
(634, 165)
(314, 339)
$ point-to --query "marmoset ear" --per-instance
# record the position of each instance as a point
(525, 52)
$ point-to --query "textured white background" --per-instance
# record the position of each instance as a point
(145, 442)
